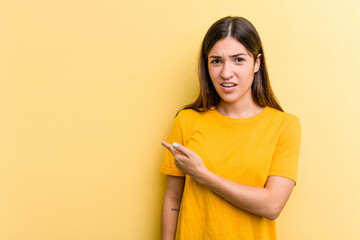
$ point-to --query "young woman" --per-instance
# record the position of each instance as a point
(233, 162)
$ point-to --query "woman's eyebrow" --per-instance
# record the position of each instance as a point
(235, 55)
(239, 54)
(212, 56)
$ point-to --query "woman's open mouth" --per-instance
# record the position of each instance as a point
(228, 87)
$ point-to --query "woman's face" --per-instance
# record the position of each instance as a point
(232, 69)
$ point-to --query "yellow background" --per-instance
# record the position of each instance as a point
(88, 89)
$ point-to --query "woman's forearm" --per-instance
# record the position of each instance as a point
(169, 216)
(266, 202)
(171, 206)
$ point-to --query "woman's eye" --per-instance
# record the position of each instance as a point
(216, 61)
(239, 60)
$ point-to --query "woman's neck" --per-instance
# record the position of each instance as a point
(238, 109)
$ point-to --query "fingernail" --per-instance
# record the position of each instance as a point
(175, 145)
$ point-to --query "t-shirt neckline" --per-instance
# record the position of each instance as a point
(256, 117)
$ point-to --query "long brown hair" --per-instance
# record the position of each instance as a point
(246, 34)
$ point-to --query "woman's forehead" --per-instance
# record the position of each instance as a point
(228, 46)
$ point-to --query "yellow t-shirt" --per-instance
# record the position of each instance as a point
(243, 150)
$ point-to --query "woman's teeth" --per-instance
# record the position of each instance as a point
(228, 84)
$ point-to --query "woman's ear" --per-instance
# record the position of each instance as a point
(257, 63)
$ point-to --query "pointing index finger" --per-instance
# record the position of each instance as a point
(174, 148)
(180, 148)
(167, 145)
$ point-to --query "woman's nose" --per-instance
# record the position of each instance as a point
(226, 72)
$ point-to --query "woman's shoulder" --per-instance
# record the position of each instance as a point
(188, 114)
(285, 115)
(286, 120)
(186, 119)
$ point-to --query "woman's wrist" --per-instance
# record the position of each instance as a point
(202, 176)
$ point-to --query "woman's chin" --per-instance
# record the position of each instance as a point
(229, 97)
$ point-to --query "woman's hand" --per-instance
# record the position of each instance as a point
(186, 160)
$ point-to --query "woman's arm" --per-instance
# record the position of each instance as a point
(266, 202)
(171, 206)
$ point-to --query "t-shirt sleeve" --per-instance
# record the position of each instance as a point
(286, 156)
(168, 166)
